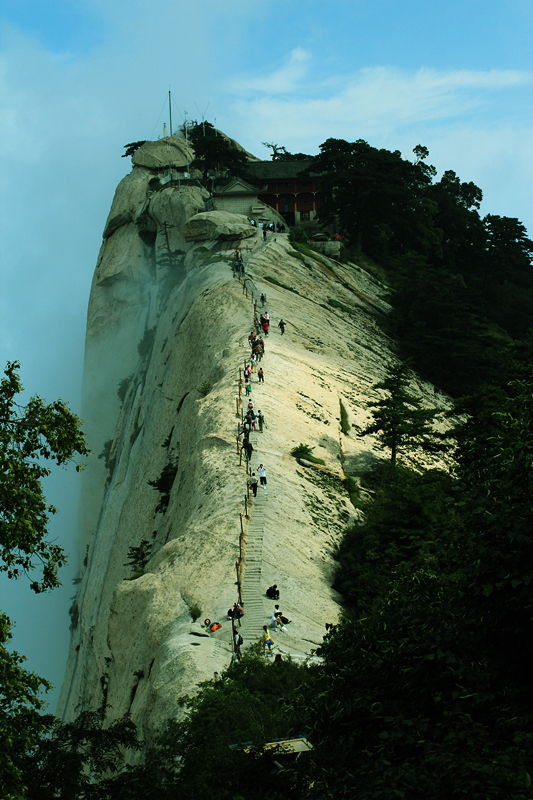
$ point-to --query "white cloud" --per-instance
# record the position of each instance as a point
(281, 81)
(381, 99)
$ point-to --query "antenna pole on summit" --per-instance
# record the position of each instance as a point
(186, 139)
(170, 111)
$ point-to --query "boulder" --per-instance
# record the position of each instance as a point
(213, 225)
(171, 151)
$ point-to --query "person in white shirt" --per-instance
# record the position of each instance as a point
(277, 612)
(275, 622)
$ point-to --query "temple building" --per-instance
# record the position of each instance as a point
(279, 185)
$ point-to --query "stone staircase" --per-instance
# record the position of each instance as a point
(253, 590)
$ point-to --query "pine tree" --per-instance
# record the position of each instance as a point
(399, 420)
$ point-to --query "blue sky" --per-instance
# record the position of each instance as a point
(81, 78)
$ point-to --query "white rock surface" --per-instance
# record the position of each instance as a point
(214, 225)
(129, 195)
(171, 151)
(135, 640)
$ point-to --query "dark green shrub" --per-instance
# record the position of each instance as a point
(306, 452)
(123, 387)
(306, 249)
(164, 484)
(74, 615)
(138, 557)
(205, 388)
(109, 462)
(352, 487)
(298, 235)
(145, 345)
(296, 254)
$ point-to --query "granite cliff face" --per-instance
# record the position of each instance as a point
(166, 315)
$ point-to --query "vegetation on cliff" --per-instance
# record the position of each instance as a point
(213, 151)
(423, 689)
(462, 285)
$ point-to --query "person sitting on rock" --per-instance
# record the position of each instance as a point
(283, 619)
(273, 592)
(275, 622)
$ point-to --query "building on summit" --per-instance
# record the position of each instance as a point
(279, 185)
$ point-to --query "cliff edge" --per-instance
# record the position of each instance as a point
(168, 317)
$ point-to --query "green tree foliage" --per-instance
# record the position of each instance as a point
(253, 703)
(496, 483)
(138, 557)
(214, 152)
(164, 483)
(507, 276)
(461, 286)
(20, 721)
(80, 760)
(405, 523)
(145, 346)
(426, 688)
(345, 425)
(399, 419)
(298, 234)
(306, 451)
(441, 328)
(408, 703)
(280, 153)
(132, 147)
(375, 196)
(29, 436)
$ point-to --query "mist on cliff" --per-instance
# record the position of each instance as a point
(79, 83)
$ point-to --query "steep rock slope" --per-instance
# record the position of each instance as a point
(166, 315)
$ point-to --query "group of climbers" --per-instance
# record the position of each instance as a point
(250, 419)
